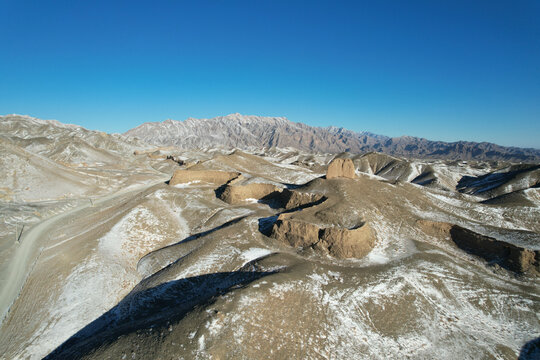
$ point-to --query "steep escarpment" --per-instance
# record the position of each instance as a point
(507, 255)
(340, 168)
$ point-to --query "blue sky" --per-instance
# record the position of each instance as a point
(444, 70)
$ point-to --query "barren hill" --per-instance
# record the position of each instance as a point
(246, 131)
(112, 248)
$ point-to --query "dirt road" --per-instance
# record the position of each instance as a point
(35, 238)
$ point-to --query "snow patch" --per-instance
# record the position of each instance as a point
(253, 254)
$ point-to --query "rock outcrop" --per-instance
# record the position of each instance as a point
(204, 176)
(338, 242)
(291, 199)
(347, 243)
(275, 196)
(437, 229)
(236, 194)
(341, 168)
(507, 255)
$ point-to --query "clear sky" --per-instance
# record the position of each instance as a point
(444, 70)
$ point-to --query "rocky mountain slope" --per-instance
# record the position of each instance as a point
(245, 132)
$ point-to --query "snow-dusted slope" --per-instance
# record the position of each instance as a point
(66, 143)
(502, 181)
(27, 176)
(247, 131)
(48, 160)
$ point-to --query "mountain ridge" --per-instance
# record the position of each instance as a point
(248, 131)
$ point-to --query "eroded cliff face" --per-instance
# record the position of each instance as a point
(338, 242)
(237, 194)
(507, 255)
(341, 168)
(271, 194)
(296, 233)
(348, 243)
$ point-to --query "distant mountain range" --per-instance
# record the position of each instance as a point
(247, 131)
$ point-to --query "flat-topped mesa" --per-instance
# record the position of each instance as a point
(338, 242)
(341, 168)
(215, 177)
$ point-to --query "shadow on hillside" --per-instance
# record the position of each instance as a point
(531, 350)
(154, 307)
(208, 232)
(265, 224)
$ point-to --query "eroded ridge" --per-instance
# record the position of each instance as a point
(507, 255)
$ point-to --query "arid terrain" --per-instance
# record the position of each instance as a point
(250, 132)
(137, 246)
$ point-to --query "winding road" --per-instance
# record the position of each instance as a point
(32, 241)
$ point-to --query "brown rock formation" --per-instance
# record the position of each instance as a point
(341, 168)
(296, 233)
(283, 198)
(347, 243)
(435, 228)
(291, 199)
(206, 176)
(338, 242)
(507, 255)
(512, 257)
(236, 194)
